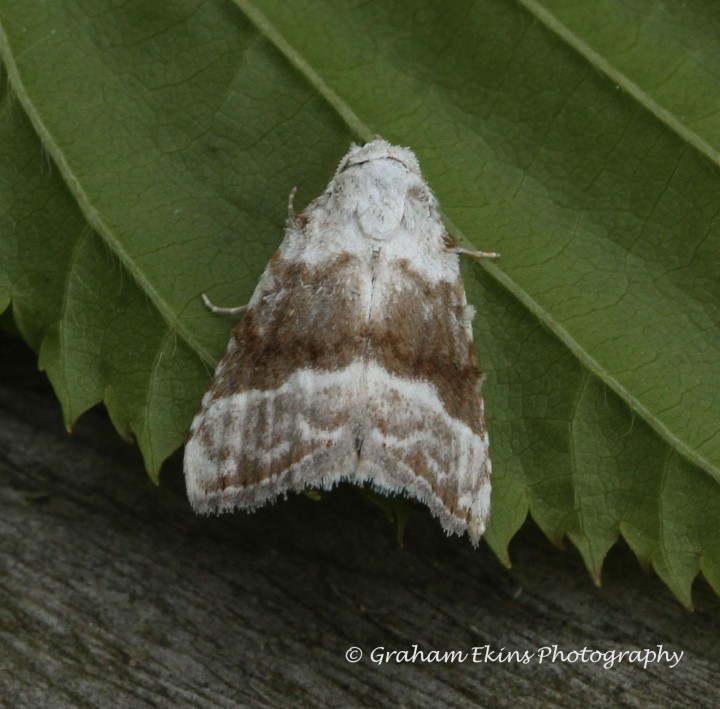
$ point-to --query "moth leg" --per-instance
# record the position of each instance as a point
(237, 310)
(474, 254)
(454, 248)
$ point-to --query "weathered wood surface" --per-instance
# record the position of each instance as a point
(115, 595)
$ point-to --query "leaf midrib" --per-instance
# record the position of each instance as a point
(93, 217)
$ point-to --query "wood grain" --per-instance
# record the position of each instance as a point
(115, 594)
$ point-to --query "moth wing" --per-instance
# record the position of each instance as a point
(281, 412)
(311, 392)
(425, 431)
(440, 462)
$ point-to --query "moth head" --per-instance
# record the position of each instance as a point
(379, 187)
(380, 149)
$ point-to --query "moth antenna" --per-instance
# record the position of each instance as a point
(237, 310)
(292, 216)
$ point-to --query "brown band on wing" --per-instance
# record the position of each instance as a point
(275, 421)
(315, 320)
(312, 321)
(421, 334)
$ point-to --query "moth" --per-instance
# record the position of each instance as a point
(354, 359)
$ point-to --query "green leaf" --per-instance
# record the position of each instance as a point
(147, 150)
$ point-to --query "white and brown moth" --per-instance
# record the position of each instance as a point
(354, 359)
